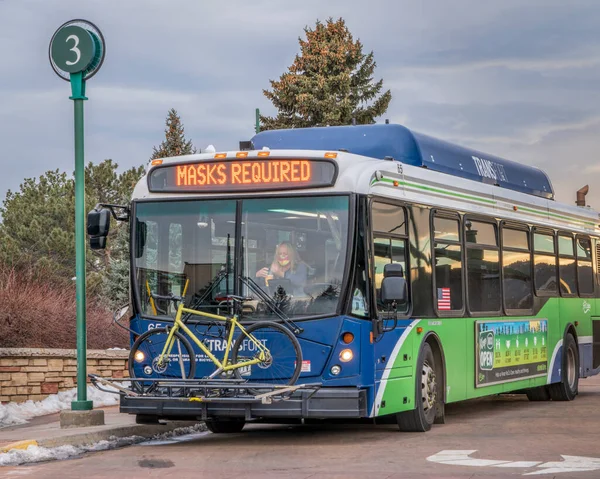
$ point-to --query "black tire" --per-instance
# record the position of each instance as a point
(285, 362)
(427, 395)
(225, 426)
(151, 344)
(146, 419)
(540, 393)
(568, 387)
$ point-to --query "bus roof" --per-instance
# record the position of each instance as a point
(406, 146)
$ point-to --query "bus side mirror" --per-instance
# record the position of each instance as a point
(393, 286)
(98, 225)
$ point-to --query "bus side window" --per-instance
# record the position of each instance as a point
(516, 269)
(585, 273)
(566, 265)
(447, 257)
(544, 264)
(389, 244)
(483, 267)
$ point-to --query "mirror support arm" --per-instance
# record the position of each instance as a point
(119, 212)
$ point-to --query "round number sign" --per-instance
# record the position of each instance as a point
(77, 47)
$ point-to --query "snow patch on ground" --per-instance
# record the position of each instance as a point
(13, 414)
(161, 441)
(40, 454)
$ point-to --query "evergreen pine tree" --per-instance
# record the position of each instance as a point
(38, 227)
(174, 143)
(329, 83)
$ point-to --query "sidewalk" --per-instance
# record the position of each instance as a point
(45, 431)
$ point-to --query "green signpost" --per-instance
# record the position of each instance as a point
(76, 54)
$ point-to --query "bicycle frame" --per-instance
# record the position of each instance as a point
(223, 364)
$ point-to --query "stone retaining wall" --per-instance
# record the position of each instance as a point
(30, 373)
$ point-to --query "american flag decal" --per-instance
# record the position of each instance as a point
(443, 299)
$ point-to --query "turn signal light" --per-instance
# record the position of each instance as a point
(241, 154)
(157, 162)
(221, 155)
(347, 338)
(330, 155)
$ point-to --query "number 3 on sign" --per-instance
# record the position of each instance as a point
(75, 38)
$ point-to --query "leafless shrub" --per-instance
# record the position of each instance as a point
(39, 311)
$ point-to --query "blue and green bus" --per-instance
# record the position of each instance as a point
(495, 283)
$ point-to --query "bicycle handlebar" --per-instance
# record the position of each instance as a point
(173, 297)
(237, 298)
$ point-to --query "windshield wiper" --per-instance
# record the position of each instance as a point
(256, 289)
(212, 285)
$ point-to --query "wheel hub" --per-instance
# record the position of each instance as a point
(267, 361)
(159, 367)
(571, 368)
(428, 387)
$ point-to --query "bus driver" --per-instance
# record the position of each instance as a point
(287, 265)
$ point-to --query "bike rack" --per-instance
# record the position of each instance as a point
(203, 390)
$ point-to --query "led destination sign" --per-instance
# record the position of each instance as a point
(272, 174)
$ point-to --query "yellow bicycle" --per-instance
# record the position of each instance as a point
(263, 352)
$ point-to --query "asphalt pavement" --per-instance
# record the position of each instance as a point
(499, 437)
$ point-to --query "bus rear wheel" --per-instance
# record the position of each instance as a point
(427, 396)
(568, 387)
(538, 394)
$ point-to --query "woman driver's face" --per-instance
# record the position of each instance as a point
(283, 255)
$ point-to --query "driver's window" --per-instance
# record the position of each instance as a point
(389, 244)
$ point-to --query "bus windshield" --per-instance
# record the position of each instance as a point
(286, 256)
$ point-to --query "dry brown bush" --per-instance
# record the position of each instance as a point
(39, 311)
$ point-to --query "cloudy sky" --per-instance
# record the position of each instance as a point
(516, 78)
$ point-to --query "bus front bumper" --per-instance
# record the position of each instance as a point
(321, 404)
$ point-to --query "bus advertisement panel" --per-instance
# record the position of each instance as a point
(511, 350)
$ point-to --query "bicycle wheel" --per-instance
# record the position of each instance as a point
(283, 364)
(144, 355)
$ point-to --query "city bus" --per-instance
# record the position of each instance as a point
(494, 283)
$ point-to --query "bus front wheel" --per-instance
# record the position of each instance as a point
(568, 387)
(427, 396)
(225, 426)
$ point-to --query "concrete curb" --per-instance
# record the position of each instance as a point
(146, 431)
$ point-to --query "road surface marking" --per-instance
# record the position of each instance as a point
(455, 457)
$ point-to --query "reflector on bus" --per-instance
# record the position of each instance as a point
(247, 175)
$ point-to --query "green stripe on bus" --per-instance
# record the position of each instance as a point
(483, 200)
(435, 190)
(537, 212)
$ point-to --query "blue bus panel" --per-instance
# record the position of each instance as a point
(406, 146)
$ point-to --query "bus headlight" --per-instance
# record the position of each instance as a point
(335, 370)
(139, 356)
(346, 355)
